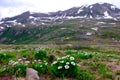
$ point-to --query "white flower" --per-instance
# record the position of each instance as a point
(67, 63)
(27, 62)
(24, 58)
(54, 62)
(73, 63)
(15, 63)
(64, 57)
(39, 60)
(35, 60)
(58, 58)
(19, 59)
(41, 65)
(68, 56)
(72, 58)
(59, 67)
(61, 61)
(67, 67)
(46, 63)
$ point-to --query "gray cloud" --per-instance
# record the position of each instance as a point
(10, 8)
(13, 3)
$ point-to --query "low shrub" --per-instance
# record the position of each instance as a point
(41, 67)
(84, 55)
(40, 54)
(51, 58)
(64, 67)
(4, 57)
(18, 70)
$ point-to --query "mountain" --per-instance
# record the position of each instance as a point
(86, 23)
(98, 10)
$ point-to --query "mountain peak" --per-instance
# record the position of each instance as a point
(97, 10)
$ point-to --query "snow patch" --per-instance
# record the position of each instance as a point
(106, 14)
(79, 11)
(112, 23)
(113, 7)
(72, 17)
(31, 17)
(95, 28)
(88, 33)
(1, 27)
(91, 16)
(91, 7)
(62, 28)
(91, 11)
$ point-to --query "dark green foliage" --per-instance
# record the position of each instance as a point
(84, 55)
(64, 67)
(51, 58)
(85, 75)
(40, 67)
(4, 57)
(40, 54)
(107, 34)
(19, 70)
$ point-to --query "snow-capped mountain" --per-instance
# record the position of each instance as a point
(98, 10)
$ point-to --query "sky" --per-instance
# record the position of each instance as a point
(9, 8)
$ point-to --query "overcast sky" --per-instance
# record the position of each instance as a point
(10, 8)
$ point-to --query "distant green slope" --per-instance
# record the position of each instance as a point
(70, 30)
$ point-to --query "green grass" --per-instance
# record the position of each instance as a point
(74, 64)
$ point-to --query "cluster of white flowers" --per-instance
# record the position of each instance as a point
(12, 63)
(65, 62)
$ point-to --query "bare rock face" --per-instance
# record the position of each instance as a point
(31, 74)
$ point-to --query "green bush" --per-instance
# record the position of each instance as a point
(40, 54)
(51, 58)
(64, 67)
(4, 57)
(18, 70)
(40, 67)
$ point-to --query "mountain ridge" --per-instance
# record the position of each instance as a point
(97, 10)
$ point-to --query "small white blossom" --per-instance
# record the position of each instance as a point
(41, 65)
(73, 63)
(54, 62)
(64, 57)
(67, 67)
(24, 58)
(61, 61)
(39, 60)
(59, 67)
(46, 63)
(35, 60)
(15, 63)
(68, 56)
(67, 63)
(19, 59)
(27, 62)
(72, 58)
(58, 58)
